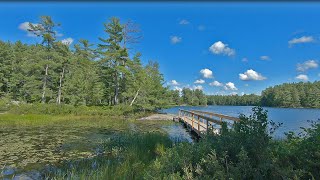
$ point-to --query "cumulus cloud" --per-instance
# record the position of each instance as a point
(198, 87)
(174, 83)
(221, 48)
(207, 73)
(216, 83)
(310, 64)
(177, 88)
(302, 77)
(303, 39)
(199, 81)
(233, 93)
(184, 22)
(265, 58)
(251, 75)
(67, 41)
(230, 86)
(175, 39)
(26, 27)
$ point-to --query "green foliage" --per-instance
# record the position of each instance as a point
(53, 72)
(234, 100)
(124, 156)
(55, 109)
(292, 95)
(246, 151)
(285, 95)
(194, 97)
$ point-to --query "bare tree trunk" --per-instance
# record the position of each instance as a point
(116, 90)
(44, 87)
(135, 97)
(60, 86)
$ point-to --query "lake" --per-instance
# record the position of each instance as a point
(292, 118)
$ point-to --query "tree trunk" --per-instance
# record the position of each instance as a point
(43, 99)
(60, 86)
(135, 97)
(116, 90)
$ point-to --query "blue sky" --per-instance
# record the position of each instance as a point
(228, 47)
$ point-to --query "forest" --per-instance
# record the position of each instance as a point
(302, 94)
(52, 72)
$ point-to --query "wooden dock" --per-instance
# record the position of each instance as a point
(202, 122)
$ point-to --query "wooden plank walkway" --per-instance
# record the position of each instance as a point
(202, 122)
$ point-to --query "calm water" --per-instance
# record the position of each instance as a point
(291, 118)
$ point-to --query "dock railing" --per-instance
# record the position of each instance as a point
(204, 122)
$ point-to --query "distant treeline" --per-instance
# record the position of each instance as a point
(234, 100)
(292, 95)
(284, 95)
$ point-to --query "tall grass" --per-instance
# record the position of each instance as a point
(124, 156)
(54, 109)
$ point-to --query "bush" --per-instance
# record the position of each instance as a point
(247, 151)
(4, 104)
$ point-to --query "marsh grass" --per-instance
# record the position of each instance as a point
(124, 156)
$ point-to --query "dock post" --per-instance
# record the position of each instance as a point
(199, 124)
(207, 127)
(192, 120)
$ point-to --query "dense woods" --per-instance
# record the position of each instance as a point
(83, 74)
(284, 95)
(292, 95)
(234, 100)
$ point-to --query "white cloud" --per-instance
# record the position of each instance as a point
(246, 85)
(242, 93)
(184, 22)
(200, 81)
(177, 88)
(310, 64)
(175, 39)
(221, 48)
(174, 83)
(201, 28)
(244, 59)
(251, 75)
(233, 93)
(265, 58)
(207, 73)
(198, 87)
(230, 86)
(26, 27)
(302, 77)
(303, 39)
(67, 41)
(216, 83)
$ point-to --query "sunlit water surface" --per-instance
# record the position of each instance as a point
(292, 118)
